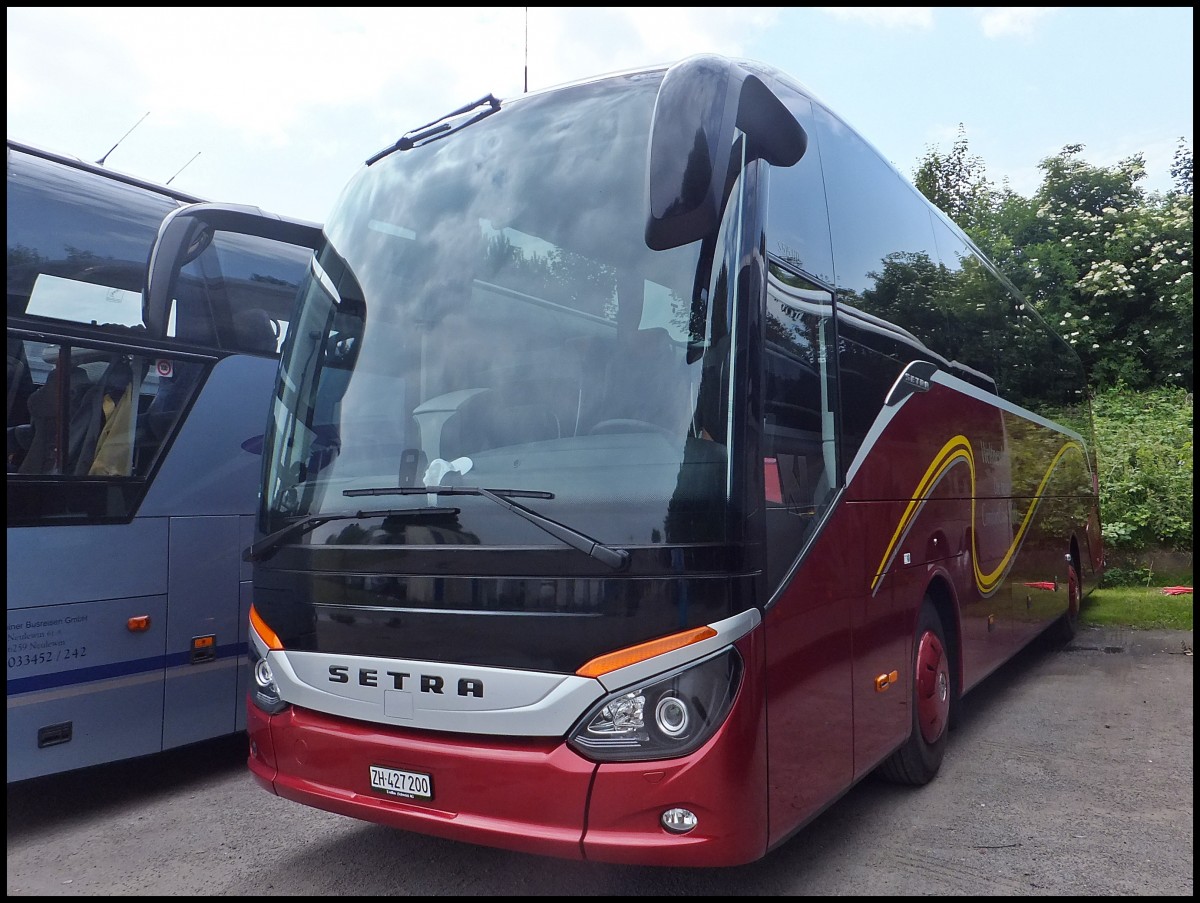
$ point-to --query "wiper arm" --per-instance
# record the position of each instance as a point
(439, 128)
(266, 546)
(616, 559)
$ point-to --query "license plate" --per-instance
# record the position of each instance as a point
(408, 784)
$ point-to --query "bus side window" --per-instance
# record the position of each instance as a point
(136, 407)
(109, 401)
(799, 456)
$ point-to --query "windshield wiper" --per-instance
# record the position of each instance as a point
(439, 128)
(616, 559)
(266, 546)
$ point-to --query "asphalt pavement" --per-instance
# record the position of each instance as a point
(1070, 774)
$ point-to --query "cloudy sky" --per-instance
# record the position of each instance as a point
(278, 107)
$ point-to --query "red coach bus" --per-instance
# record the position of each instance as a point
(649, 463)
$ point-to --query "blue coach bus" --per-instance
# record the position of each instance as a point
(134, 459)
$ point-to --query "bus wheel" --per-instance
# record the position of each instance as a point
(1068, 624)
(918, 760)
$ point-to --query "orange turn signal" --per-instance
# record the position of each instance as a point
(268, 636)
(631, 655)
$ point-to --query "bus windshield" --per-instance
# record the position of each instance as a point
(485, 314)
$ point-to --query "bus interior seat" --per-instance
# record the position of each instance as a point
(517, 424)
(645, 381)
(89, 418)
(20, 382)
(171, 398)
(551, 378)
(489, 420)
(40, 441)
(804, 480)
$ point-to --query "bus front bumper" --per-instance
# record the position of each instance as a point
(531, 795)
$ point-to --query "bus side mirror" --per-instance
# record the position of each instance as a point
(700, 102)
(184, 235)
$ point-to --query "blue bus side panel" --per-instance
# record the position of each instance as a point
(205, 637)
(84, 683)
(215, 463)
(58, 564)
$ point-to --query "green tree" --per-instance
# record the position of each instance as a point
(1108, 264)
(1181, 168)
(956, 182)
(1145, 459)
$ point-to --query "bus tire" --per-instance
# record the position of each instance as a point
(1068, 625)
(918, 760)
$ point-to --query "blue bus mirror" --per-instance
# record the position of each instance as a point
(184, 235)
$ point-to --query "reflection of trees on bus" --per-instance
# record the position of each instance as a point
(963, 314)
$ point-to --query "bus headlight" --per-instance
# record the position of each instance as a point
(263, 689)
(667, 716)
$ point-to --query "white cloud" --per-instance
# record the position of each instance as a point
(285, 103)
(567, 44)
(1008, 21)
(263, 71)
(884, 16)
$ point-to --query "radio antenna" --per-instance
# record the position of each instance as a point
(527, 50)
(182, 168)
(100, 162)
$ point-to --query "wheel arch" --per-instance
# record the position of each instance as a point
(1076, 557)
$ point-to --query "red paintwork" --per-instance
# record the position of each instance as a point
(527, 795)
(533, 795)
(724, 783)
(830, 634)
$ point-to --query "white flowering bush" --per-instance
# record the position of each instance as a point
(1106, 263)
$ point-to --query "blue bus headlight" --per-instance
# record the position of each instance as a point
(263, 689)
(669, 715)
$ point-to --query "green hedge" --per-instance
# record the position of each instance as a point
(1144, 449)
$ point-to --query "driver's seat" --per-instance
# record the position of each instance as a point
(645, 382)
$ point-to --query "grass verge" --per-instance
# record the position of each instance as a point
(1147, 608)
